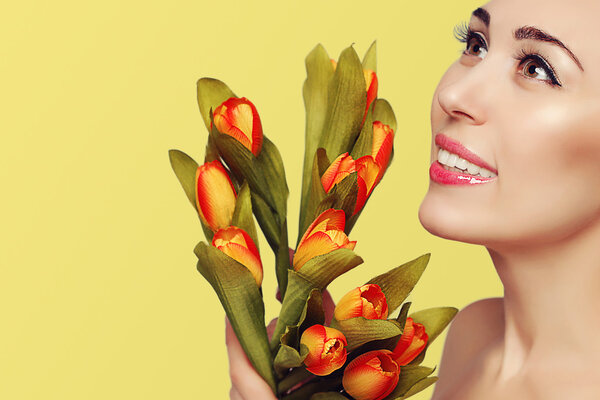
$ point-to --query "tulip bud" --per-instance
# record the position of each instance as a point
(367, 171)
(237, 117)
(383, 139)
(237, 244)
(371, 376)
(365, 301)
(340, 168)
(326, 349)
(411, 343)
(324, 235)
(215, 195)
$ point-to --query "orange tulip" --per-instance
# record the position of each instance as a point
(237, 244)
(238, 117)
(324, 235)
(411, 343)
(365, 301)
(383, 139)
(371, 85)
(215, 195)
(340, 168)
(371, 376)
(368, 171)
(326, 349)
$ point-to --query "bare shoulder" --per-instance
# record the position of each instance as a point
(472, 329)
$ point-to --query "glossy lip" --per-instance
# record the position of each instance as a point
(453, 146)
(439, 174)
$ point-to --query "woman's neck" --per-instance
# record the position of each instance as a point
(551, 303)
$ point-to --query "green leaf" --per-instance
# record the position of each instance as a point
(319, 73)
(409, 376)
(242, 300)
(399, 282)
(364, 143)
(323, 269)
(401, 319)
(270, 165)
(211, 153)
(211, 93)
(308, 389)
(316, 193)
(328, 396)
(286, 358)
(370, 58)
(420, 386)
(242, 215)
(296, 376)
(318, 272)
(383, 112)
(185, 168)
(346, 105)
(434, 319)
(312, 314)
(359, 330)
(294, 302)
(282, 259)
(267, 219)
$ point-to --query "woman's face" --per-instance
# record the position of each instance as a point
(528, 108)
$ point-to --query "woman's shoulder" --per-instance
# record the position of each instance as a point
(472, 330)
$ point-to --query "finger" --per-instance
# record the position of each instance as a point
(246, 380)
(234, 394)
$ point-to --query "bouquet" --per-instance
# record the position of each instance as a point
(362, 352)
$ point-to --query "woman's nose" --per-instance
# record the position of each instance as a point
(467, 96)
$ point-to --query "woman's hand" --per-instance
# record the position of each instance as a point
(246, 383)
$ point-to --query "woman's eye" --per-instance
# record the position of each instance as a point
(475, 47)
(533, 69)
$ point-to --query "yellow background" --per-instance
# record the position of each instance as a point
(99, 294)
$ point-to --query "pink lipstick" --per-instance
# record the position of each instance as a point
(439, 174)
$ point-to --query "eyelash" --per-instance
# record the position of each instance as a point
(463, 33)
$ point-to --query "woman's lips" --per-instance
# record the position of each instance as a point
(440, 174)
(455, 147)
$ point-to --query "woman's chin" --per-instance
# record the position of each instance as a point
(449, 223)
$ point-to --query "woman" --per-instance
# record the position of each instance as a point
(518, 119)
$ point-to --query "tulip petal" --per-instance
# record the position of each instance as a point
(245, 257)
(328, 220)
(215, 195)
(406, 339)
(237, 244)
(340, 168)
(349, 306)
(371, 376)
(374, 303)
(317, 244)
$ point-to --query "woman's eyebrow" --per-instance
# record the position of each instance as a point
(528, 32)
(531, 32)
(483, 15)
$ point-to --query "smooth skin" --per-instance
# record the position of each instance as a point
(539, 219)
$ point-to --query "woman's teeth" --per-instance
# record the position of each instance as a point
(452, 162)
